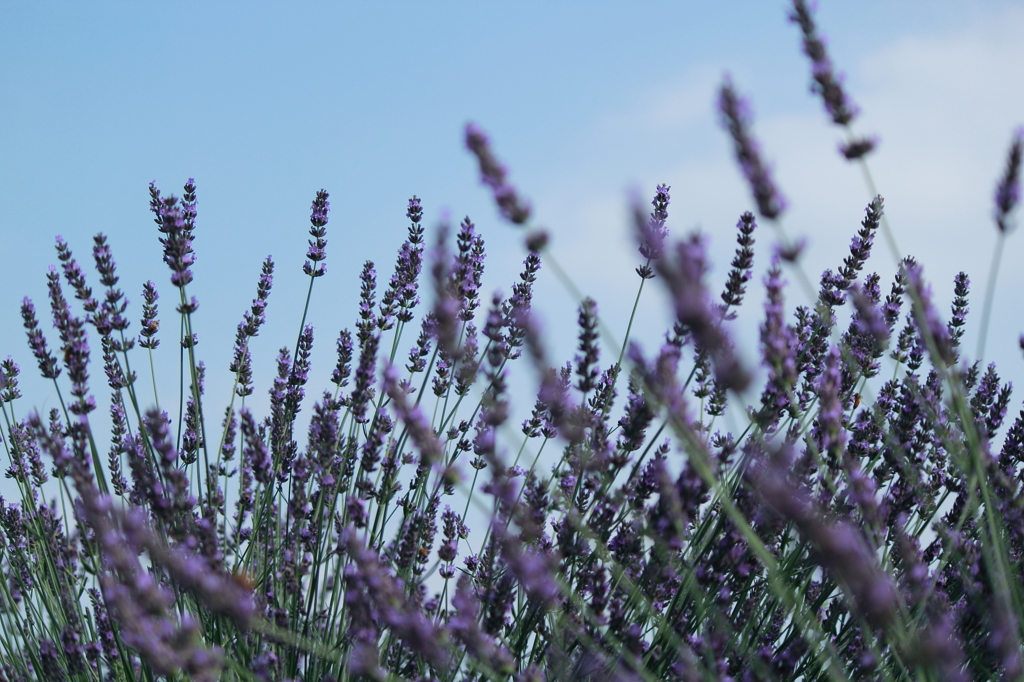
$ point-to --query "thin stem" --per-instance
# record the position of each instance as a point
(990, 293)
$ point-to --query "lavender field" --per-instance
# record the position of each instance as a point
(779, 445)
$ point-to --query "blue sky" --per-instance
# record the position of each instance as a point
(264, 104)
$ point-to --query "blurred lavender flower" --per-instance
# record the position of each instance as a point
(1008, 188)
(493, 173)
(735, 115)
(840, 545)
(778, 350)
(652, 231)
(684, 276)
(826, 82)
(858, 148)
(932, 331)
(379, 600)
(217, 591)
(869, 332)
(446, 305)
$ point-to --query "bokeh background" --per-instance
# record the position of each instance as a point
(265, 103)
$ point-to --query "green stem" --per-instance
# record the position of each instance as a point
(990, 293)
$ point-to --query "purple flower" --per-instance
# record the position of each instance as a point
(1008, 188)
(217, 591)
(119, 431)
(517, 308)
(104, 628)
(829, 432)
(75, 277)
(840, 545)
(860, 246)
(9, 372)
(363, 391)
(932, 331)
(826, 82)
(586, 360)
(736, 117)
(939, 647)
(171, 221)
(465, 277)
(639, 415)
(377, 599)
(955, 326)
(684, 275)
(834, 285)
(778, 350)
(652, 231)
(468, 365)
(255, 453)
(868, 335)
(74, 345)
(150, 325)
(492, 174)
(742, 263)
(300, 368)
(367, 294)
(418, 426)
(446, 306)
(114, 303)
(402, 294)
(858, 147)
(380, 427)
(894, 301)
(465, 626)
(343, 368)
(318, 230)
(37, 342)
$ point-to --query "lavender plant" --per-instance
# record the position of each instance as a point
(862, 525)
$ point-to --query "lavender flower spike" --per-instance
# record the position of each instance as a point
(318, 230)
(683, 275)
(652, 231)
(177, 239)
(736, 117)
(654, 235)
(826, 82)
(927, 318)
(37, 342)
(1008, 189)
(493, 173)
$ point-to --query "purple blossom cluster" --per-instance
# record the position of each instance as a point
(736, 117)
(493, 174)
(826, 82)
